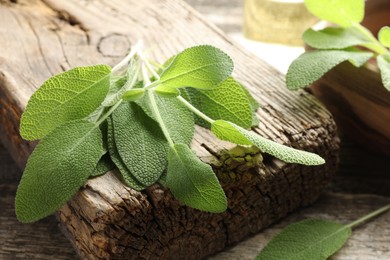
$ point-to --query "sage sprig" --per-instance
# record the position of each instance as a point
(347, 41)
(140, 120)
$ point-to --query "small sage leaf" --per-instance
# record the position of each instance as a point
(67, 96)
(201, 67)
(57, 168)
(311, 66)
(193, 182)
(309, 239)
(384, 67)
(342, 12)
(140, 143)
(233, 133)
(384, 36)
(133, 94)
(166, 92)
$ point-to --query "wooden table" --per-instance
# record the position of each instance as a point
(361, 185)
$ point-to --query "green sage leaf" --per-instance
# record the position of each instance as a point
(67, 96)
(140, 143)
(342, 12)
(57, 168)
(166, 92)
(233, 133)
(228, 101)
(311, 66)
(133, 94)
(384, 67)
(125, 173)
(201, 67)
(384, 36)
(193, 182)
(334, 38)
(309, 239)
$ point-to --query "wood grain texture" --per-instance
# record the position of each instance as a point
(106, 219)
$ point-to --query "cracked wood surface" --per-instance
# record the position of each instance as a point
(42, 38)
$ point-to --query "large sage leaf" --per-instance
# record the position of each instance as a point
(311, 66)
(201, 67)
(57, 168)
(140, 143)
(228, 101)
(193, 182)
(309, 239)
(67, 96)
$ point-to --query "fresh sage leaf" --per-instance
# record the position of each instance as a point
(181, 126)
(384, 36)
(311, 66)
(166, 92)
(228, 101)
(201, 67)
(309, 239)
(133, 94)
(57, 168)
(233, 133)
(334, 38)
(193, 182)
(103, 166)
(384, 67)
(125, 173)
(67, 96)
(342, 12)
(140, 143)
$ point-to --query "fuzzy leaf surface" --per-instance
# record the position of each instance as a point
(140, 143)
(125, 173)
(384, 36)
(342, 12)
(309, 239)
(71, 95)
(228, 131)
(310, 66)
(193, 182)
(178, 119)
(57, 168)
(201, 67)
(228, 101)
(133, 94)
(333, 38)
(384, 67)
(166, 92)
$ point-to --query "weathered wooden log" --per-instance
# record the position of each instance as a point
(110, 221)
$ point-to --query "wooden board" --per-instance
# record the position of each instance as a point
(106, 219)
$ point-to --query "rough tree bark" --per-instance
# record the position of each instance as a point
(108, 220)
